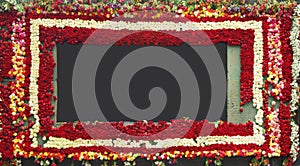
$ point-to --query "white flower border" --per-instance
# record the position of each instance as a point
(258, 137)
(62, 143)
(295, 43)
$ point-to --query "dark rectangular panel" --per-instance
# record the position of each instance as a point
(66, 58)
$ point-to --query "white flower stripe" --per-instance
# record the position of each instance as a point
(295, 43)
(62, 143)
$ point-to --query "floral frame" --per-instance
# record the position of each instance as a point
(275, 140)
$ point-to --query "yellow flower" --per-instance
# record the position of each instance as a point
(20, 109)
(70, 155)
(16, 140)
(270, 116)
(115, 157)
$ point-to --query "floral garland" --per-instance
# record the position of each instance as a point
(17, 104)
(6, 129)
(274, 132)
(294, 38)
(70, 23)
(112, 8)
(274, 74)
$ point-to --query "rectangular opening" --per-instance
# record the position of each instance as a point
(66, 55)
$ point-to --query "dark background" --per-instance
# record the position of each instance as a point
(66, 57)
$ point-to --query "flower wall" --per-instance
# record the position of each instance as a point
(269, 41)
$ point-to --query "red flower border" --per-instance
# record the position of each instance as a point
(7, 130)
